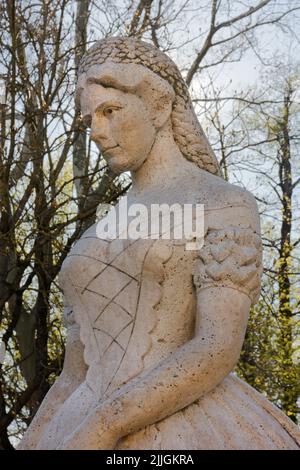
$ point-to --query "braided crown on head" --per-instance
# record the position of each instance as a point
(187, 131)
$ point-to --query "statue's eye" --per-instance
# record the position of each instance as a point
(108, 111)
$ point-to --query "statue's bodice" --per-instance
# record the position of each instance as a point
(125, 296)
(135, 303)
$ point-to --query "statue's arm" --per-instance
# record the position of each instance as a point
(227, 282)
(73, 374)
(192, 370)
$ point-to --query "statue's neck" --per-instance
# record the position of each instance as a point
(164, 164)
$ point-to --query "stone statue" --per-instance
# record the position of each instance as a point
(154, 330)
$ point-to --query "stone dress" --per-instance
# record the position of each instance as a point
(122, 295)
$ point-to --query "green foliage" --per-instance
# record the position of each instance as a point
(269, 359)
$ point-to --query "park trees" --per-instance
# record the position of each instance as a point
(51, 177)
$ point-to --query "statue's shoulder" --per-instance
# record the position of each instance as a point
(226, 204)
(231, 255)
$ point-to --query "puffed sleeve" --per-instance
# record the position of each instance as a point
(231, 257)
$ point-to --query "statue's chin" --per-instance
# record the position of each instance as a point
(120, 165)
(116, 166)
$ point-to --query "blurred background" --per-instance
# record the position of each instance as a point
(240, 60)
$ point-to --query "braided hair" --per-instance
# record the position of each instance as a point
(187, 130)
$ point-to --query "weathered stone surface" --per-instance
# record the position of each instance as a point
(154, 330)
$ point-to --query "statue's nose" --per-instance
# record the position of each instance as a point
(100, 133)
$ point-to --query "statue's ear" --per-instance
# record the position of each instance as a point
(158, 96)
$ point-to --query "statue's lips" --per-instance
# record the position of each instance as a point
(107, 150)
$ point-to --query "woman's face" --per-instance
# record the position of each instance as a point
(120, 125)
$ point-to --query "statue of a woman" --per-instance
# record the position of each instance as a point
(154, 330)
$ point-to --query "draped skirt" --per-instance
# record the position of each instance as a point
(233, 416)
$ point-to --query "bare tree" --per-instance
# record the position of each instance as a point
(52, 179)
